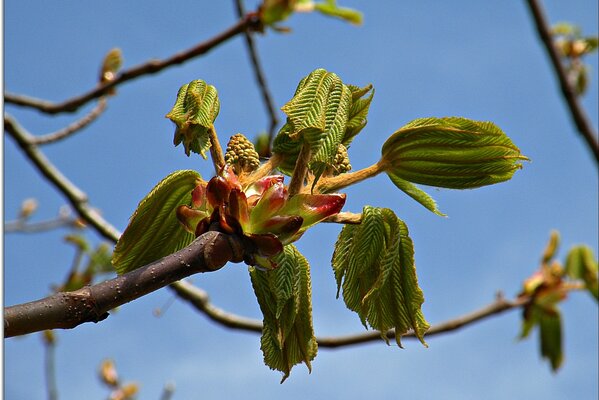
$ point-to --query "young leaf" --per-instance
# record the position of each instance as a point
(358, 112)
(330, 8)
(374, 265)
(154, 230)
(581, 264)
(194, 112)
(550, 332)
(451, 152)
(414, 192)
(284, 296)
(317, 115)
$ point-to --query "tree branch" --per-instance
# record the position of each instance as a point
(76, 197)
(23, 226)
(250, 21)
(72, 128)
(260, 78)
(66, 310)
(199, 299)
(577, 112)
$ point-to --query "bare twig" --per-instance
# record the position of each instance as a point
(65, 310)
(50, 365)
(576, 110)
(250, 21)
(76, 197)
(260, 77)
(22, 226)
(74, 127)
(200, 300)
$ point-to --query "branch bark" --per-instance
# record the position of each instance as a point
(249, 21)
(199, 299)
(579, 116)
(66, 310)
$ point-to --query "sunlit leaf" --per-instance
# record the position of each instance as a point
(330, 8)
(194, 112)
(582, 264)
(284, 296)
(374, 266)
(154, 230)
(451, 152)
(414, 192)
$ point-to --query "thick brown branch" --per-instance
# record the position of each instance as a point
(251, 20)
(66, 310)
(200, 300)
(76, 197)
(568, 91)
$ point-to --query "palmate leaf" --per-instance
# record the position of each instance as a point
(154, 230)
(194, 112)
(284, 295)
(374, 266)
(317, 115)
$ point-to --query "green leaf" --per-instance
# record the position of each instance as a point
(284, 296)
(374, 265)
(451, 152)
(100, 260)
(194, 112)
(551, 338)
(581, 264)
(358, 112)
(154, 231)
(414, 192)
(330, 8)
(273, 11)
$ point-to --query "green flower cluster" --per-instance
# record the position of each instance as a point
(241, 154)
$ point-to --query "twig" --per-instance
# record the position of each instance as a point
(260, 78)
(345, 218)
(200, 300)
(576, 110)
(76, 197)
(50, 365)
(65, 310)
(22, 226)
(250, 21)
(74, 127)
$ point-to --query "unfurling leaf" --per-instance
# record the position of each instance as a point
(154, 230)
(284, 295)
(194, 112)
(550, 327)
(374, 265)
(581, 264)
(451, 152)
(324, 114)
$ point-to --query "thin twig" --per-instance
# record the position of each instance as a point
(577, 112)
(200, 300)
(76, 197)
(50, 365)
(260, 78)
(22, 226)
(250, 21)
(74, 127)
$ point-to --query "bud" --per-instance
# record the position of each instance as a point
(451, 152)
(241, 154)
(341, 163)
(28, 207)
(108, 373)
(194, 112)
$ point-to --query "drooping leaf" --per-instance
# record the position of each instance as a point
(550, 332)
(374, 266)
(581, 264)
(154, 230)
(330, 8)
(414, 192)
(451, 152)
(284, 295)
(194, 112)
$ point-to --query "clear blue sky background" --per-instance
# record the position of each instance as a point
(476, 59)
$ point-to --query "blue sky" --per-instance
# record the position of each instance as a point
(480, 60)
